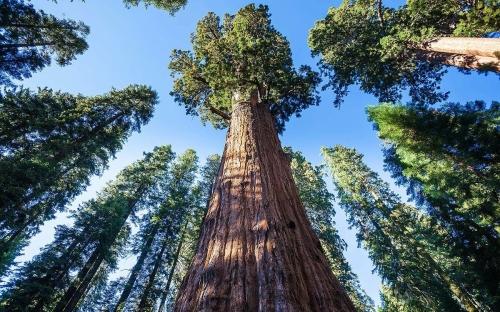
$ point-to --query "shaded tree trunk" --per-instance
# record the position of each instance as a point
(172, 271)
(81, 283)
(145, 303)
(257, 250)
(136, 269)
(67, 301)
(471, 53)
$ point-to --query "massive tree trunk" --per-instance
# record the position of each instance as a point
(472, 53)
(257, 250)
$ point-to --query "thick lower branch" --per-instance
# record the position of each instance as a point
(483, 63)
(219, 112)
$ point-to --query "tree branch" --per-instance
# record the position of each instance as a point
(219, 112)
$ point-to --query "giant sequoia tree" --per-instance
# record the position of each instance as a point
(31, 39)
(448, 157)
(410, 250)
(386, 51)
(89, 247)
(51, 143)
(257, 250)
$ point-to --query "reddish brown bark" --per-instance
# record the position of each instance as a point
(257, 251)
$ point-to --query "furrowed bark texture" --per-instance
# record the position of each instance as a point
(257, 250)
(470, 53)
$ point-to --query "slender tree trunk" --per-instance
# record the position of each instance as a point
(257, 250)
(461, 294)
(79, 280)
(144, 304)
(58, 273)
(71, 305)
(136, 269)
(472, 53)
(172, 271)
(81, 283)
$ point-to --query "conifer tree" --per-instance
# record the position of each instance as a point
(51, 143)
(186, 247)
(31, 39)
(171, 6)
(448, 158)
(318, 202)
(89, 247)
(409, 250)
(157, 240)
(255, 233)
(386, 50)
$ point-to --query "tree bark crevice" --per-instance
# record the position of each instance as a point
(257, 250)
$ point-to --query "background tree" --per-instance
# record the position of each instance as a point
(171, 6)
(386, 50)
(448, 158)
(31, 39)
(408, 248)
(158, 238)
(126, 293)
(318, 202)
(240, 72)
(186, 247)
(50, 145)
(90, 247)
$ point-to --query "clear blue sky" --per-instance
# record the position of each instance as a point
(133, 46)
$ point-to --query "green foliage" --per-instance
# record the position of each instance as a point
(448, 157)
(50, 145)
(231, 59)
(95, 240)
(171, 6)
(201, 196)
(410, 250)
(317, 201)
(377, 47)
(165, 242)
(30, 39)
(163, 225)
(391, 302)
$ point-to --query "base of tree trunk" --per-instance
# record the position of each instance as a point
(257, 251)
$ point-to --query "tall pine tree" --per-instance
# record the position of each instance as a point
(409, 249)
(91, 245)
(31, 39)
(157, 240)
(257, 250)
(51, 143)
(186, 246)
(125, 294)
(448, 158)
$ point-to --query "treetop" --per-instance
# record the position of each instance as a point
(235, 56)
